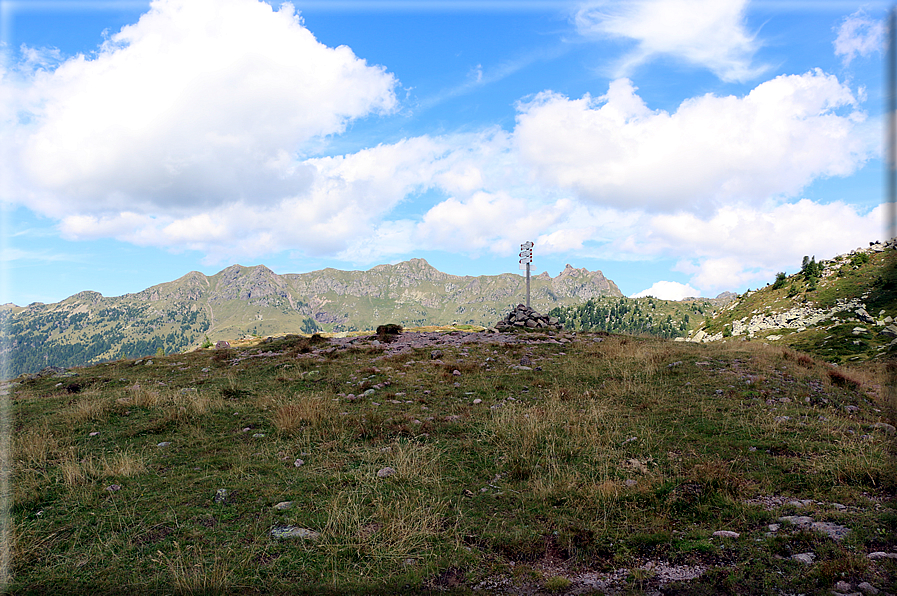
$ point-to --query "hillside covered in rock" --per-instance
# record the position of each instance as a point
(240, 301)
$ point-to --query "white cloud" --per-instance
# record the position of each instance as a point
(741, 245)
(706, 33)
(668, 290)
(199, 104)
(859, 35)
(616, 151)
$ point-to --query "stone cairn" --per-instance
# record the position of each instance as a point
(526, 317)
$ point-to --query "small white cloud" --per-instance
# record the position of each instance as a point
(706, 33)
(859, 35)
(668, 290)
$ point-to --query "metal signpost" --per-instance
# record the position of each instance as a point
(526, 257)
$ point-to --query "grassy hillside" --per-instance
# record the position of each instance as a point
(817, 311)
(591, 463)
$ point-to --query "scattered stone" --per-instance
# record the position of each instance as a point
(163, 444)
(435, 354)
(843, 586)
(222, 345)
(774, 527)
(284, 505)
(299, 463)
(113, 488)
(630, 482)
(805, 558)
(385, 472)
(801, 521)
(867, 588)
(477, 401)
(94, 433)
(456, 372)
(258, 435)
(881, 555)
(285, 532)
(884, 426)
(726, 534)
(220, 495)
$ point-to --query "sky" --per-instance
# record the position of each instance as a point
(681, 147)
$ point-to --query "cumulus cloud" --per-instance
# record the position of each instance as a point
(199, 104)
(859, 35)
(668, 290)
(706, 33)
(741, 245)
(615, 150)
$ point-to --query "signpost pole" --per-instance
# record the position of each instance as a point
(526, 254)
(527, 285)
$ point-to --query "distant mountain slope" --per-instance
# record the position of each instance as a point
(239, 301)
(842, 309)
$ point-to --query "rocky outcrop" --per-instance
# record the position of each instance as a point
(524, 317)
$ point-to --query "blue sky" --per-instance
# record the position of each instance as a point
(682, 147)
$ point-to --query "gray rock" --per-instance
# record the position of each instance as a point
(881, 555)
(885, 427)
(867, 588)
(385, 472)
(726, 534)
(889, 331)
(284, 505)
(286, 532)
(864, 316)
(843, 586)
(801, 521)
(833, 531)
(805, 558)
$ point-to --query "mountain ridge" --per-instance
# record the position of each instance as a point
(239, 300)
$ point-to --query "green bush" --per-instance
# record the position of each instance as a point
(780, 280)
(859, 259)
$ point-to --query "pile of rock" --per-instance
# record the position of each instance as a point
(527, 318)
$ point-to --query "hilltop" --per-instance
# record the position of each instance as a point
(841, 309)
(511, 463)
(254, 301)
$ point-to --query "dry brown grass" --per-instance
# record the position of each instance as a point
(191, 572)
(75, 470)
(314, 413)
(33, 448)
(412, 461)
(384, 532)
(92, 405)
